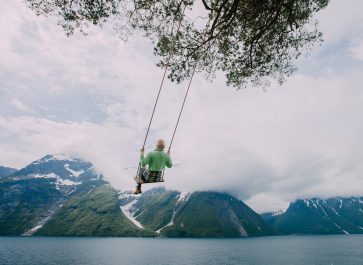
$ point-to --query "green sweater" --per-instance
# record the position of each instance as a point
(156, 160)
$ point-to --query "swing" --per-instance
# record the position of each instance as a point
(154, 177)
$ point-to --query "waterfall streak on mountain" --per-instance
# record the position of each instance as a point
(236, 222)
(182, 197)
(129, 213)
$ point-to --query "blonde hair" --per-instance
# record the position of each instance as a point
(160, 144)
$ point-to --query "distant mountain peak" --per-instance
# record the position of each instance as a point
(277, 212)
(56, 157)
(6, 171)
(337, 215)
(61, 170)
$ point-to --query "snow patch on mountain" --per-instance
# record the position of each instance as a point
(345, 232)
(42, 222)
(171, 223)
(98, 177)
(73, 172)
(58, 180)
(126, 195)
(32, 230)
(278, 212)
(67, 182)
(62, 157)
(235, 220)
(129, 208)
(129, 211)
(307, 203)
(57, 157)
(335, 211)
(46, 176)
(183, 196)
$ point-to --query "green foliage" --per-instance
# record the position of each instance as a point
(250, 41)
(95, 213)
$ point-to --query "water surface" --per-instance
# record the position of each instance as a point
(285, 250)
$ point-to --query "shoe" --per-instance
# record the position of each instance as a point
(137, 190)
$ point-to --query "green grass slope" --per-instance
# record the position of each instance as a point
(95, 213)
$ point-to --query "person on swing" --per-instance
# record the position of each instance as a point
(155, 162)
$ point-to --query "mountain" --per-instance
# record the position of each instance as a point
(316, 216)
(63, 196)
(6, 171)
(197, 214)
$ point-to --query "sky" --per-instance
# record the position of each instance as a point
(92, 96)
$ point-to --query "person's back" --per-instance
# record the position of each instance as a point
(156, 160)
(153, 165)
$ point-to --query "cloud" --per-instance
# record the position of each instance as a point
(106, 145)
(21, 106)
(341, 20)
(92, 97)
(357, 51)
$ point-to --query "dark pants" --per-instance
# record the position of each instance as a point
(146, 175)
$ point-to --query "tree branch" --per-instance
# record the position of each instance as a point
(206, 5)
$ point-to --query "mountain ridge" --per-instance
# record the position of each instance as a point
(35, 197)
(59, 195)
(6, 171)
(335, 215)
(193, 214)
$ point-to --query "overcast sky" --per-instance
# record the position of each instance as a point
(91, 96)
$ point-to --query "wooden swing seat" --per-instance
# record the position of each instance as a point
(151, 179)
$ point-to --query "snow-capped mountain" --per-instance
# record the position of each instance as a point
(60, 195)
(64, 196)
(317, 216)
(60, 170)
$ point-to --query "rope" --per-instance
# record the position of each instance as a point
(162, 80)
(182, 107)
(180, 113)
(156, 102)
(161, 85)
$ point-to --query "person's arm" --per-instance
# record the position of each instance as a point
(168, 163)
(144, 160)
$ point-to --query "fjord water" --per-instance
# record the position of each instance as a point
(289, 250)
